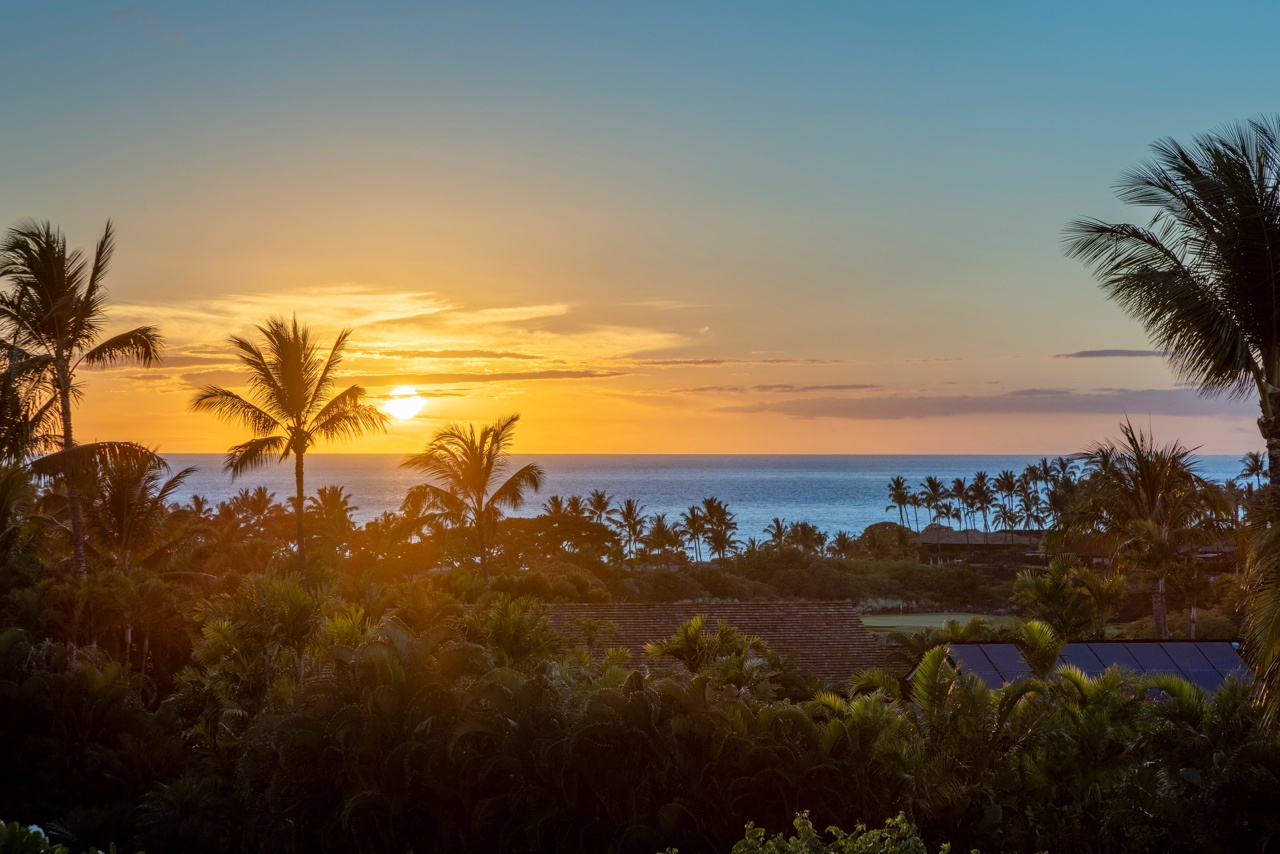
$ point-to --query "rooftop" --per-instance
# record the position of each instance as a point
(1205, 663)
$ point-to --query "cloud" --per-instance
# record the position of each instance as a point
(134, 12)
(933, 359)
(1111, 354)
(452, 354)
(785, 388)
(718, 362)
(510, 376)
(1118, 402)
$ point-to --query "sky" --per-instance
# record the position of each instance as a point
(660, 227)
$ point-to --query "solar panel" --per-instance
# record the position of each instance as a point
(971, 659)
(1186, 656)
(1224, 657)
(1110, 652)
(1151, 658)
(1203, 663)
(1007, 660)
(1082, 655)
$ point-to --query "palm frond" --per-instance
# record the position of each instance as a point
(255, 454)
(230, 406)
(141, 345)
(345, 417)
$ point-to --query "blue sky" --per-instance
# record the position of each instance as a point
(740, 227)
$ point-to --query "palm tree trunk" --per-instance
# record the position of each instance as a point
(73, 494)
(1159, 615)
(297, 512)
(484, 562)
(1270, 428)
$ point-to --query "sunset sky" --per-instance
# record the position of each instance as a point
(646, 227)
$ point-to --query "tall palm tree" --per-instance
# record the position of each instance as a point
(1201, 277)
(694, 523)
(899, 497)
(628, 518)
(55, 311)
(291, 404)
(777, 531)
(469, 478)
(932, 494)
(599, 504)
(1150, 504)
(1255, 466)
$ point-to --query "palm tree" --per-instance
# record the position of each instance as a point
(55, 312)
(599, 504)
(1006, 483)
(932, 494)
(899, 497)
(694, 523)
(628, 518)
(661, 538)
(1150, 504)
(720, 527)
(127, 511)
(1201, 278)
(777, 531)
(1008, 520)
(469, 484)
(983, 497)
(1255, 466)
(293, 405)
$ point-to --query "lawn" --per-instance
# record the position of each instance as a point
(885, 623)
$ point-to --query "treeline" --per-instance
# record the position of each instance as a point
(304, 721)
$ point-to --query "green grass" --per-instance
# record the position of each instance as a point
(884, 623)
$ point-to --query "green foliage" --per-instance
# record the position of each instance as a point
(898, 836)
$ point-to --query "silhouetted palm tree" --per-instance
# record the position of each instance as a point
(694, 523)
(469, 478)
(291, 404)
(1202, 277)
(1150, 504)
(599, 503)
(55, 311)
(628, 518)
(1255, 466)
(899, 497)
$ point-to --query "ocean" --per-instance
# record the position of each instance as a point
(835, 493)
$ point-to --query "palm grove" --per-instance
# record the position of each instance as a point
(255, 674)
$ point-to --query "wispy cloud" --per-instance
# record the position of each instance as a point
(765, 388)
(401, 353)
(1024, 401)
(134, 12)
(506, 376)
(1111, 354)
(718, 362)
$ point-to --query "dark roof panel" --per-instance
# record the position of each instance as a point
(1205, 663)
(1082, 656)
(1007, 660)
(1222, 655)
(1111, 652)
(969, 658)
(1151, 658)
(1186, 656)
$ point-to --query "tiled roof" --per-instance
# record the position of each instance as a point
(826, 638)
(1206, 663)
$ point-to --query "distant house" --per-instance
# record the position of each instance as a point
(938, 541)
(826, 638)
(1205, 663)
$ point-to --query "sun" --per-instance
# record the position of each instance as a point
(404, 403)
